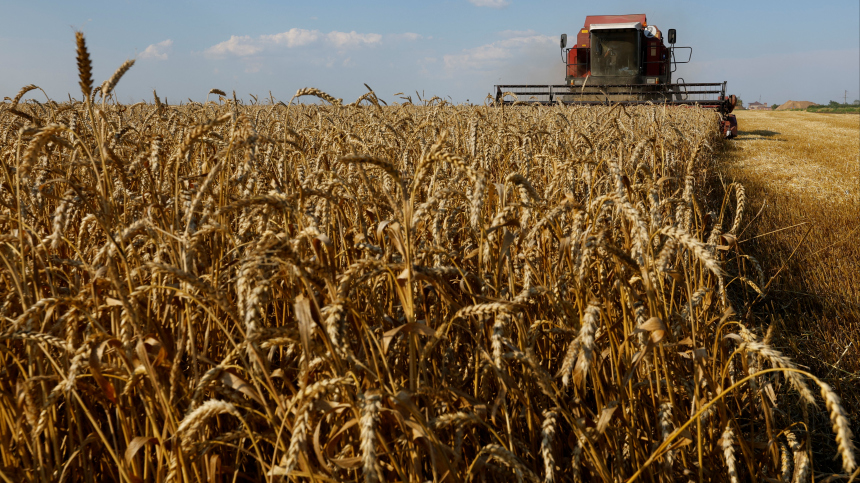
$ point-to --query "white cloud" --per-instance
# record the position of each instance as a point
(407, 36)
(237, 45)
(245, 46)
(157, 51)
(517, 33)
(292, 38)
(495, 55)
(352, 39)
(490, 3)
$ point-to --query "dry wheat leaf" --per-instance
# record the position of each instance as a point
(411, 327)
(136, 443)
(230, 379)
(113, 302)
(95, 366)
(302, 307)
(606, 416)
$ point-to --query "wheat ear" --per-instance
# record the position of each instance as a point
(85, 66)
(21, 93)
(369, 419)
(547, 435)
(586, 340)
(108, 86)
(727, 444)
(193, 422)
(841, 426)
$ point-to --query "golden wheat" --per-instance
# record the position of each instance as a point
(366, 292)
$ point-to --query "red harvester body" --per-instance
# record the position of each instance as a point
(622, 59)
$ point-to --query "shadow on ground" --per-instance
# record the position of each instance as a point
(815, 325)
(759, 134)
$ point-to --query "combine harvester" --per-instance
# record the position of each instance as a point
(620, 59)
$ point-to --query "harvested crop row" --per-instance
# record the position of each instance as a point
(375, 292)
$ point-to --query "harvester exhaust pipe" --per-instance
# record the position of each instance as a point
(563, 43)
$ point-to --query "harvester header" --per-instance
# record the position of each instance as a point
(621, 59)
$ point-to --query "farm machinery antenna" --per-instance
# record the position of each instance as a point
(620, 59)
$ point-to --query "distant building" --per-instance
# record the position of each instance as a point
(758, 105)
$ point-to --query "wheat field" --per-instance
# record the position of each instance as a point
(408, 292)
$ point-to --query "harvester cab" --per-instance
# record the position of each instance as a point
(620, 59)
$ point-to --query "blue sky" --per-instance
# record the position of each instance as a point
(772, 50)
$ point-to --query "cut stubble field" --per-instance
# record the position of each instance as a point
(809, 156)
(802, 176)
